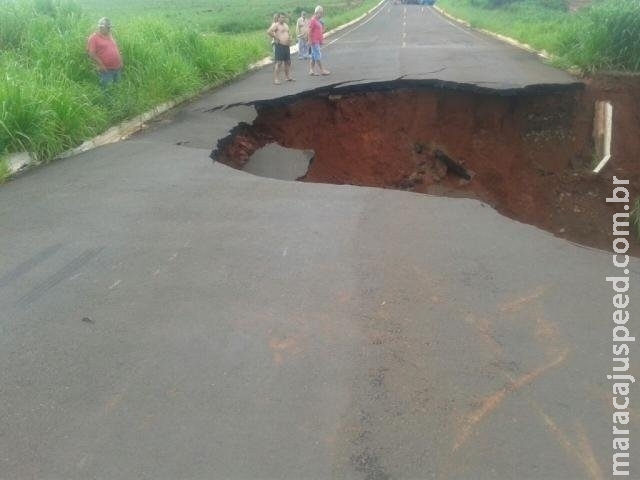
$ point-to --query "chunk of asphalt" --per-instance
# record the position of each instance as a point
(452, 165)
(276, 161)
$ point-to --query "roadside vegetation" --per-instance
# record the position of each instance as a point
(635, 218)
(50, 99)
(587, 35)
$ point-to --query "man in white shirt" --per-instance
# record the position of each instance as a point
(302, 32)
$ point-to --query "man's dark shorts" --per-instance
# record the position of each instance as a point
(282, 53)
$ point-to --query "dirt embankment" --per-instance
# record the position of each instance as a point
(529, 154)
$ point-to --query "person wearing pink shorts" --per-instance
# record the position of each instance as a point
(316, 37)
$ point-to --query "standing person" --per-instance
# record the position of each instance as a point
(302, 32)
(279, 31)
(102, 48)
(273, 42)
(316, 37)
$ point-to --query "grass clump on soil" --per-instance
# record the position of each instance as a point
(635, 218)
(604, 35)
(50, 98)
(4, 169)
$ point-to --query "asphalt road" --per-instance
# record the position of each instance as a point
(166, 317)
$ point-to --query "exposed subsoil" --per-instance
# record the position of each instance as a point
(528, 153)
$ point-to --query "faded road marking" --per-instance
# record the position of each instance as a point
(282, 347)
(477, 38)
(364, 22)
(547, 334)
(587, 455)
(493, 401)
(584, 452)
(546, 331)
(519, 303)
(115, 284)
(483, 328)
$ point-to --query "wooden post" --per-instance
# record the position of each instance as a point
(602, 133)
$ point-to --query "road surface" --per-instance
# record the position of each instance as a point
(166, 317)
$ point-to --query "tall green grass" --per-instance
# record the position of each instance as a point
(50, 99)
(635, 218)
(525, 20)
(43, 105)
(604, 36)
(4, 168)
(49, 94)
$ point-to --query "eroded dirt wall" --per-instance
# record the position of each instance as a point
(528, 154)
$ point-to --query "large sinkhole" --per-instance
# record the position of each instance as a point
(528, 153)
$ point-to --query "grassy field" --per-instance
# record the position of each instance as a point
(602, 36)
(222, 16)
(225, 16)
(50, 99)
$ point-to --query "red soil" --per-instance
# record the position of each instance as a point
(530, 154)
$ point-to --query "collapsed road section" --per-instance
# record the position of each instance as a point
(529, 152)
